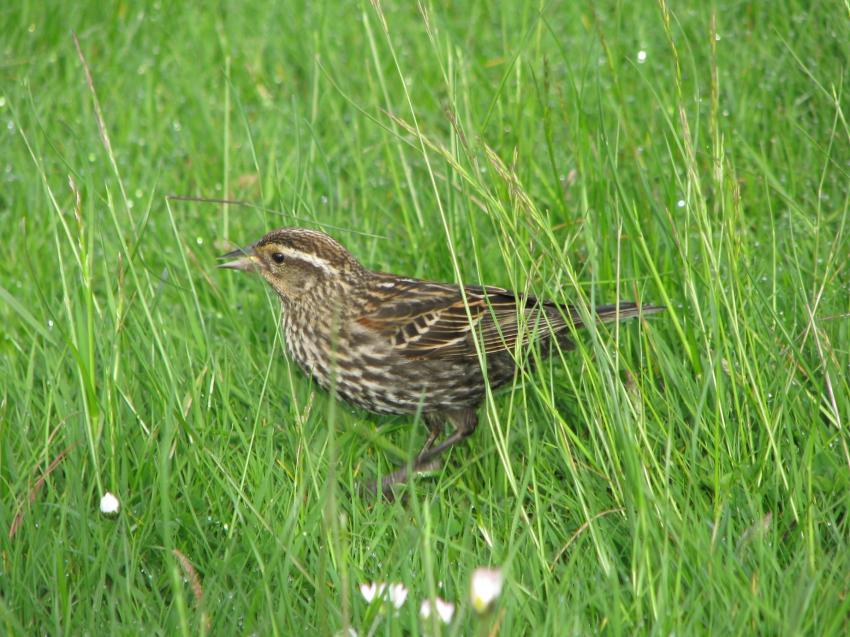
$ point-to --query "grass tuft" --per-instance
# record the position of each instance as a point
(686, 473)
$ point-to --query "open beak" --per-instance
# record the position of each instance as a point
(247, 260)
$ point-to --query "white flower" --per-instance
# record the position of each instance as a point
(371, 590)
(641, 56)
(486, 586)
(109, 504)
(445, 610)
(397, 593)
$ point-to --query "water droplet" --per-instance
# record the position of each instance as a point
(641, 56)
(199, 241)
(50, 324)
(680, 203)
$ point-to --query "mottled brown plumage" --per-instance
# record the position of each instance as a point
(397, 345)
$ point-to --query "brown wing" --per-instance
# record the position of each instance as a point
(426, 320)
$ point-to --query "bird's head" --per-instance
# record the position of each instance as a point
(295, 261)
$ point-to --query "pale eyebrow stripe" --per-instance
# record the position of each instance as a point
(312, 259)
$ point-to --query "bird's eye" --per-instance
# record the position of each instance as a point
(278, 257)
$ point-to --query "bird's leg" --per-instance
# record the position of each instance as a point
(435, 423)
(464, 422)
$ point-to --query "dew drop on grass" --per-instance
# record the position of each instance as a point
(680, 203)
(641, 56)
(50, 324)
(199, 241)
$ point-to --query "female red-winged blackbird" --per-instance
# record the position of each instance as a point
(397, 345)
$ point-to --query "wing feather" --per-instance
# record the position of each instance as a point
(425, 320)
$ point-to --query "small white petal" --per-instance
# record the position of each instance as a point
(376, 590)
(398, 594)
(109, 504)
(368, 591)
(486, 586)
(445, 610)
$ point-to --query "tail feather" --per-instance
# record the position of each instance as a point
(621, 312)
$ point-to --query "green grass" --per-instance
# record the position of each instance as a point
(686, 474)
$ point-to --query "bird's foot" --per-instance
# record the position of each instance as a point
(402, 474)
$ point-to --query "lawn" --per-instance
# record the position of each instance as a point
(686, 473)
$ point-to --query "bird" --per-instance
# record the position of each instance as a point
(393, 344)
